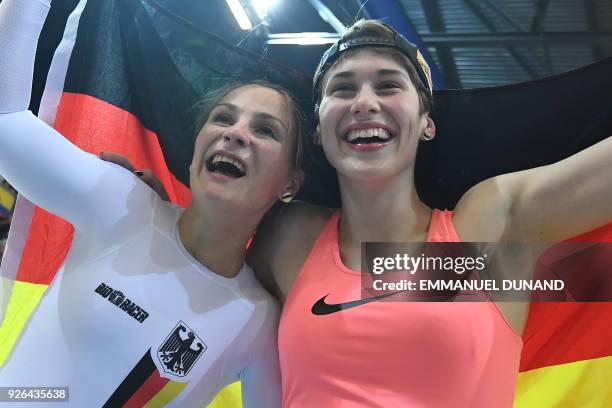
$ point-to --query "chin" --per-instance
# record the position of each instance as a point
(363, 174)
(209, 193)
(362, 168)
(371, 172)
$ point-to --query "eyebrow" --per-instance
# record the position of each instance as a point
(391, 72)
(342, 74)
(258, 115)
(267, 116)
(381, 72)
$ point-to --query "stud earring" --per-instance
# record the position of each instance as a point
(427, 137)
(317, 138)
(287, 197)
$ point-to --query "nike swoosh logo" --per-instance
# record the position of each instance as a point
(321, 308)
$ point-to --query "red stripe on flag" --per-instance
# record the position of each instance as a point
(147, 390)
(602, 234)
(559, 333)
(105, 127)
(94, 126)
(48, 242)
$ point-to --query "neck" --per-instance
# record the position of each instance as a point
(388, 211)
(217, 238)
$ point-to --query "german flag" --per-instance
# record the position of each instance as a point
(144, 387)
(7, 199)
(125, 78)
(567, 354)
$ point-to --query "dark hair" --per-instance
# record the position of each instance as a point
(298, 124)
(375, 28)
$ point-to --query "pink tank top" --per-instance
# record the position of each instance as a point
(391, 354)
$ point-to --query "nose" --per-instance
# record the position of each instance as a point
(366, 102)
(238, 134)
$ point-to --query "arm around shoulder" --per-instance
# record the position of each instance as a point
(260, 379)
(282, 243)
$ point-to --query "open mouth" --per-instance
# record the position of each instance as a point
(367, 136)
(226, 166)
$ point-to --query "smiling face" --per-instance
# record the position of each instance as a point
(243, 152)
(370, 117)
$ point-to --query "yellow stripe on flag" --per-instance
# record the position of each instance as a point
(7, 198)
(229, 397)
(584, 384)
(24, 299)
(166, 394)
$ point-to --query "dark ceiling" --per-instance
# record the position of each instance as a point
(474, 43)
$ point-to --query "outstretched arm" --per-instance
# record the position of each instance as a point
(567, 198)
(39, 162)
(546, 204)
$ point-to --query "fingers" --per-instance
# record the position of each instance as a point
(145, 175)
(153, 182)
(118, 159)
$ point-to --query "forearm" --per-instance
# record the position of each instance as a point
(46, 168)
(32, 154)
(21, 22)
(265, 390)
(261, 381)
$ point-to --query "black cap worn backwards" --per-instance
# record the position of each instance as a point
(398, 42)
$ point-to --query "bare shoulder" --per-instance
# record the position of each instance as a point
(483, 213)
(282, 243)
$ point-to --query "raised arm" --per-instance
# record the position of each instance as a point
(549, 203)
(39, 162)
(567, 198)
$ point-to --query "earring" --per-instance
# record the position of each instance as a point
(317, 133)
(317, 138)
(287, 197)
(427, 137)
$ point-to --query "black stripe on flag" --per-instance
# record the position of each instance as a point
(123, 55)
(132, 382)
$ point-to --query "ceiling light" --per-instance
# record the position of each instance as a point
(239, 14)
(312, 38)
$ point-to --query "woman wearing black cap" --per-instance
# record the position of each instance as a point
(337, 348)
